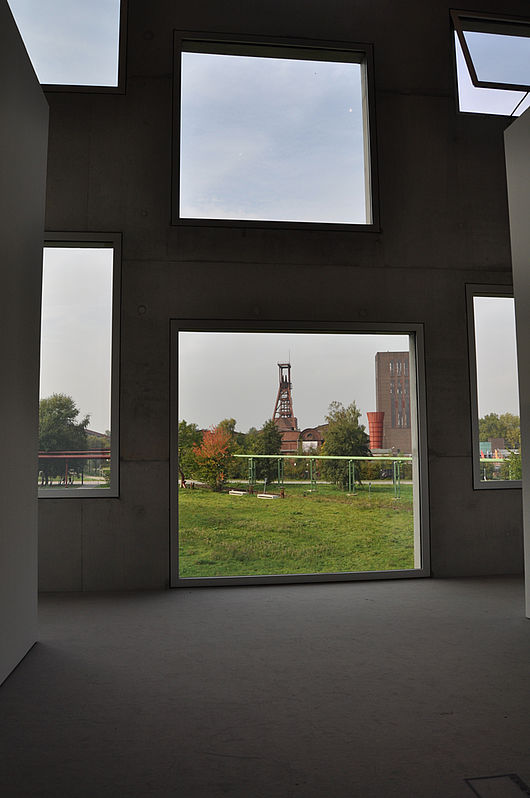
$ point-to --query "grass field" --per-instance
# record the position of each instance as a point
(322, 532)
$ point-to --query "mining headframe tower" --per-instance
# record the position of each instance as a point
(309, 439)
(283, 415)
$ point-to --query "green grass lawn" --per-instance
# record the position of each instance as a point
(321, 532)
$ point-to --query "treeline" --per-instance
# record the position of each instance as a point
(207, 455)
(60, 430)
(506, 426)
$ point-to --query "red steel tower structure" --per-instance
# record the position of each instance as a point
(283, 415)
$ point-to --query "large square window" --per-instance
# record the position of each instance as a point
(278, 476)
(272, 133)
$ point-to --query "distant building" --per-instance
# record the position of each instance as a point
(392, 380)
(497, 443)
(312, 438)
(290, 440)
(493, 447)
(96, 434)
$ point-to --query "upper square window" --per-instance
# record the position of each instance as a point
(71, 42)
(272, 133)
(493, 63)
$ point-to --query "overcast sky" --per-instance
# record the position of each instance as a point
(71, 41)
(499, 58)
(235, 375)
(496, 351)
(271, 139)
(76, 329)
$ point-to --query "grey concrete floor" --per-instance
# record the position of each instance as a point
(369, 689)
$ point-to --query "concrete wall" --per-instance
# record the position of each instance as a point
(444, 223)
(517, 138)
(23, 141)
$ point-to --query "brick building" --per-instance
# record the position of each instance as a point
(392, 380)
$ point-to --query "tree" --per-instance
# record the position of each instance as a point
(345, 436)
(511, 467)
(236, 467)
(505, 426)
(250, 440)
(96, 441)
(298, 466)
(267, 441)
(59, 432)
(213, 456)
(188, 436)
(229, 425)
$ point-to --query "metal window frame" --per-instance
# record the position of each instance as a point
(114, 241)
(473, 290)
(122, 62)
(474, 21)
(289, 48)
(415, 331)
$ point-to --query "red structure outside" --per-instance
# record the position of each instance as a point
(66, 456)
(375, 427)
(283, 415)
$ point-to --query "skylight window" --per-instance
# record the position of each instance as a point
(493, 63)
(499, 58)
(272, 134)
(71, 42)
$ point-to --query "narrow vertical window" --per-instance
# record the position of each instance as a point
(77, 402)
(495, 395)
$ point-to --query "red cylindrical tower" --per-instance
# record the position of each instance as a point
(375, 427)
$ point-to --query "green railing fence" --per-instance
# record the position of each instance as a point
(313, 469)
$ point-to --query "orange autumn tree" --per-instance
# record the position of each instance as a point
(213, 456)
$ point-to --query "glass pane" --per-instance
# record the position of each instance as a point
(500, 58)
(497, 388)
(75, 380)
(525, 103)
(271, 139)
(292, 463)
(71, 42)
(485, 101)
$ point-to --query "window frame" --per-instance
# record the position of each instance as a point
(473, 290)
(478, 22)
(420, 464)
(96, 89)
(94, 241)
(292, 48)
